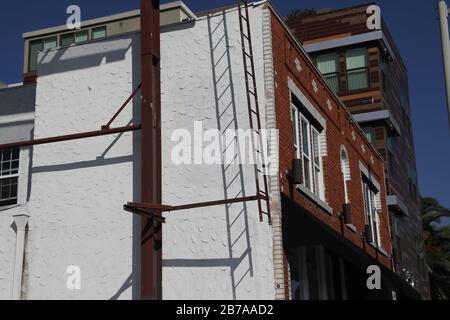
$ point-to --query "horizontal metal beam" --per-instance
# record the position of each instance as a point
(163, 208)
(69, 137)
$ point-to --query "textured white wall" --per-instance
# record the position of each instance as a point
(16, 123)
(79, 187)
(7, 250)
(215, 252)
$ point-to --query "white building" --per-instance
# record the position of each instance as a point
(76, 189)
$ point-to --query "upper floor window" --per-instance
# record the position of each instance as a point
(412, 181)
(307, 145)
(371, 208)
(369, 132)
(9, 176)
(328, 65)
(357, 69)
(345, 168)
(74, 37)
(98, 33)
(37, 46)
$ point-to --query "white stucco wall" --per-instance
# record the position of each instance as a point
(16, 124)
(79, 187)
(212, 253)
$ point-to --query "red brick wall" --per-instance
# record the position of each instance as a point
(340, 131)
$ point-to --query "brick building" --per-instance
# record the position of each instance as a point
(365, 68)
(330, 219)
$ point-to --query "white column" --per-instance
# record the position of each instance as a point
(21, 221)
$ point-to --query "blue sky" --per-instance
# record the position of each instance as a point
(414, 27)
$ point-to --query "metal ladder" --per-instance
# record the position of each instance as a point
(254, 114)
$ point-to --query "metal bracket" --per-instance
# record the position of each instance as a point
(144, 212)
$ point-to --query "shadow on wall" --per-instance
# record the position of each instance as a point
(62, 61)
(240, 259)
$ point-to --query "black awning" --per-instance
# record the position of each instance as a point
(301, 228)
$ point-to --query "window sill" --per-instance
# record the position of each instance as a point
(8, 207)
(380, 250)
(315, 199)
(351, 227)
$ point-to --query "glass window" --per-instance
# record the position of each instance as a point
(82, 36)
(306, 153)
(307, 145)
(9, 176)
(372, 213)
(328, 65)
(35, 47)
(317, 163)
(294, 115)
(345, 168)
(370, 135)
(50, 43)
(98, 33)
(357, 69)
(67, 39)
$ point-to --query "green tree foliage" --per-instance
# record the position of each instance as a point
(436, 247)
(300, 13)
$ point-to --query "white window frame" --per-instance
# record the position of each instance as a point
(12, 176)
(372, 212)
(317, 164)
(307, 169)
(346, 175)
(296, 130)
(314, 169)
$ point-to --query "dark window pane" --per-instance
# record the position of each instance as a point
(15, 164)
(333, 81)
(99, 33)
(306, 165)
(82, 36)
(50, 43)
(67, 39)
(15, 153)
(35, 47)
(14, 191)
(358, 79)
(5, 192)
(6, 155)
(6, 168)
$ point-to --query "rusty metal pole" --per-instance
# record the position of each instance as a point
(151, 180)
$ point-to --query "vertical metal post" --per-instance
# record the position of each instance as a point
(151, 234)
(443, 17)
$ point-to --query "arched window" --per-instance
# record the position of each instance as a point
(345, 168)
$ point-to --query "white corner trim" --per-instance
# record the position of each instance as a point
(274, 181)
(306, 103)
(21, 222)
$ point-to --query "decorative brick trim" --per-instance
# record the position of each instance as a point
(274, 181)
